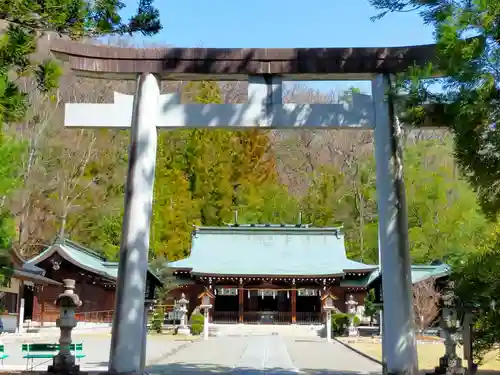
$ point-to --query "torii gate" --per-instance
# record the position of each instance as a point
(264, 69)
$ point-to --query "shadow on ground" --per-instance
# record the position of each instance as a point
(201, 369)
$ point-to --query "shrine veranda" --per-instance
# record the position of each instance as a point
(264, 69)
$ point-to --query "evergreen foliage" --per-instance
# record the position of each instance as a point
(197, 324)
(467, 36)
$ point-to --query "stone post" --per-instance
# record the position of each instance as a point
(328, 305)
(328, 325)
(351, 310)
(68, 301)
(206, 306)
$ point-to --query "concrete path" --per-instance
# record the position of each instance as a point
(266, 354)
(240, 355)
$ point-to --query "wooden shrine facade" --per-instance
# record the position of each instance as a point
(270, 300)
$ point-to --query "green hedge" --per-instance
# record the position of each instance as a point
(197, 323)
(340, 323)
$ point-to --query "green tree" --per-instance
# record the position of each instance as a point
(445, 221)
(470, 101)
(477, 287)
(371, 308)
(207, 160)
(168, 280)
(28, 20)
(175, 209)
(324, 204)
(467, 35)
(11, 152)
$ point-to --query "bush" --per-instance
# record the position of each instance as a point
(197, 323)
(156, 322)
(340, 322)
(356, 321)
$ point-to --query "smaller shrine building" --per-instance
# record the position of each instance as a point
(95, 278)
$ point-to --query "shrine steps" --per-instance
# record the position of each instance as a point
(292, 330)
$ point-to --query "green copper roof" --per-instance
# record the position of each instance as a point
(81, 257)
(418, 273)
(270, 250)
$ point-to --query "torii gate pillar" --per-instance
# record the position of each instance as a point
(128, 331)
(264, 69)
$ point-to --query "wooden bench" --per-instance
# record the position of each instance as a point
(47, 351)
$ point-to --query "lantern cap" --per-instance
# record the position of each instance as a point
(328, 295)
(206, 292)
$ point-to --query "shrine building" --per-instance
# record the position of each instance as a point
(275, 273)
(95, 278)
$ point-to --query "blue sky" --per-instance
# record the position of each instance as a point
(285, 23)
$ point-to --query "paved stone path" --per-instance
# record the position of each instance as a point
(266, 355)
(240, 355)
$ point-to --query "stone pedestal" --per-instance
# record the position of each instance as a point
(184, 331)
(353, 331)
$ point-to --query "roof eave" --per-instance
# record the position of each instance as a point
(62, 252)
(282, 276)
(35, 278)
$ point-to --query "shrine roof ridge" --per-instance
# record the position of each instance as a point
(265, 228)
(238, 63)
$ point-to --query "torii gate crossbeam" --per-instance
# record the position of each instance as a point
(264, 69)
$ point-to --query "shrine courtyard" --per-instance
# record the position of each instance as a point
(270, 354)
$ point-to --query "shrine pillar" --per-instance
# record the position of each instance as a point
(294, 304)
(241, 303)
(128, 326)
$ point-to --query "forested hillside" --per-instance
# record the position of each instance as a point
(70, 182)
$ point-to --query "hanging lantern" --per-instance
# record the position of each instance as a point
(248, 294)
(274, 294)
(288, 294)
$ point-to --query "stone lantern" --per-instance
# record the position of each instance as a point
(68, 301)
(450, 363)
(182, 304)
(328, 301)
(206, 306)
(351, 310)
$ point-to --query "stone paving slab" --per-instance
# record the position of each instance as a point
(319, 356)
(266, 354)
